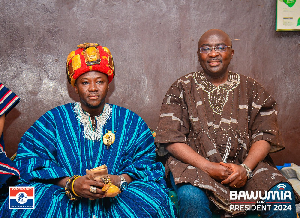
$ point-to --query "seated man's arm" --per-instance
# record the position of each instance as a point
(116, 180)
(186, 154)
(2, 121)
(82, 187)
(258, 151)
(60, 182)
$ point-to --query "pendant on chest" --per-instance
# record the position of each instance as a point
(109, 138)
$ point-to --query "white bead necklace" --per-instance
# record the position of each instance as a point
(85, 119)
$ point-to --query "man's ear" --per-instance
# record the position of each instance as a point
(76, 89)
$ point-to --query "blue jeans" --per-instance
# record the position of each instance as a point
(193, 202)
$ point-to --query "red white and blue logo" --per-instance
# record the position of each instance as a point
(21, 197)
(281, 186)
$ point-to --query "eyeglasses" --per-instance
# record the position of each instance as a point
(217, 48)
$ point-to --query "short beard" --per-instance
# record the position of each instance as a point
(91, 106)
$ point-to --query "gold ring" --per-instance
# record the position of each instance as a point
(234, 186)
(93, 189)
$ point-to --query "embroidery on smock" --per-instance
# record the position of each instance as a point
(85, 119)
(217, 95)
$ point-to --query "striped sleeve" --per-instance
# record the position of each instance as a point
(8, 100)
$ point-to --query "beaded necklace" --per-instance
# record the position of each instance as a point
(217, 98)
(217, 95)
(84, 118)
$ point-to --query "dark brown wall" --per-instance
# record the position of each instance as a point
(153, 43)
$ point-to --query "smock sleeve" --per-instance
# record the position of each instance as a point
(174, 122)
(37, 153)
(8, 100)
(263, 119)
(140, 162)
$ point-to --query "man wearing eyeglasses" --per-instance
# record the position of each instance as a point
(216, 130)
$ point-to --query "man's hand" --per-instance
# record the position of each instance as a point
(238, 178)
(82, 187)
(217, 171)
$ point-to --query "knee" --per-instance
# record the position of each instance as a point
(192, 193)
(192, 202)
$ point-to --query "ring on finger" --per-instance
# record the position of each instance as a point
(93, 189)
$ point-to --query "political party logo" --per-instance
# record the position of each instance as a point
(21, 197)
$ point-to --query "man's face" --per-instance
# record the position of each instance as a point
(215, 64)
(92, 88)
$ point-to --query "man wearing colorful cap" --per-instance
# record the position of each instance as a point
(90, 158)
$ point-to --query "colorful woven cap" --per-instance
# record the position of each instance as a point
(89, 57)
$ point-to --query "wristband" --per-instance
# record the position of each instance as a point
(68, 191)
(123, 183)
(248, 170)
(76, 177)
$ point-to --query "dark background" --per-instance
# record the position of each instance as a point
(153, 43)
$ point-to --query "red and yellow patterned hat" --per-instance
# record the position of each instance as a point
(89, 57)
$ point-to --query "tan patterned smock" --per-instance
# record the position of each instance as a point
(220, 123)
